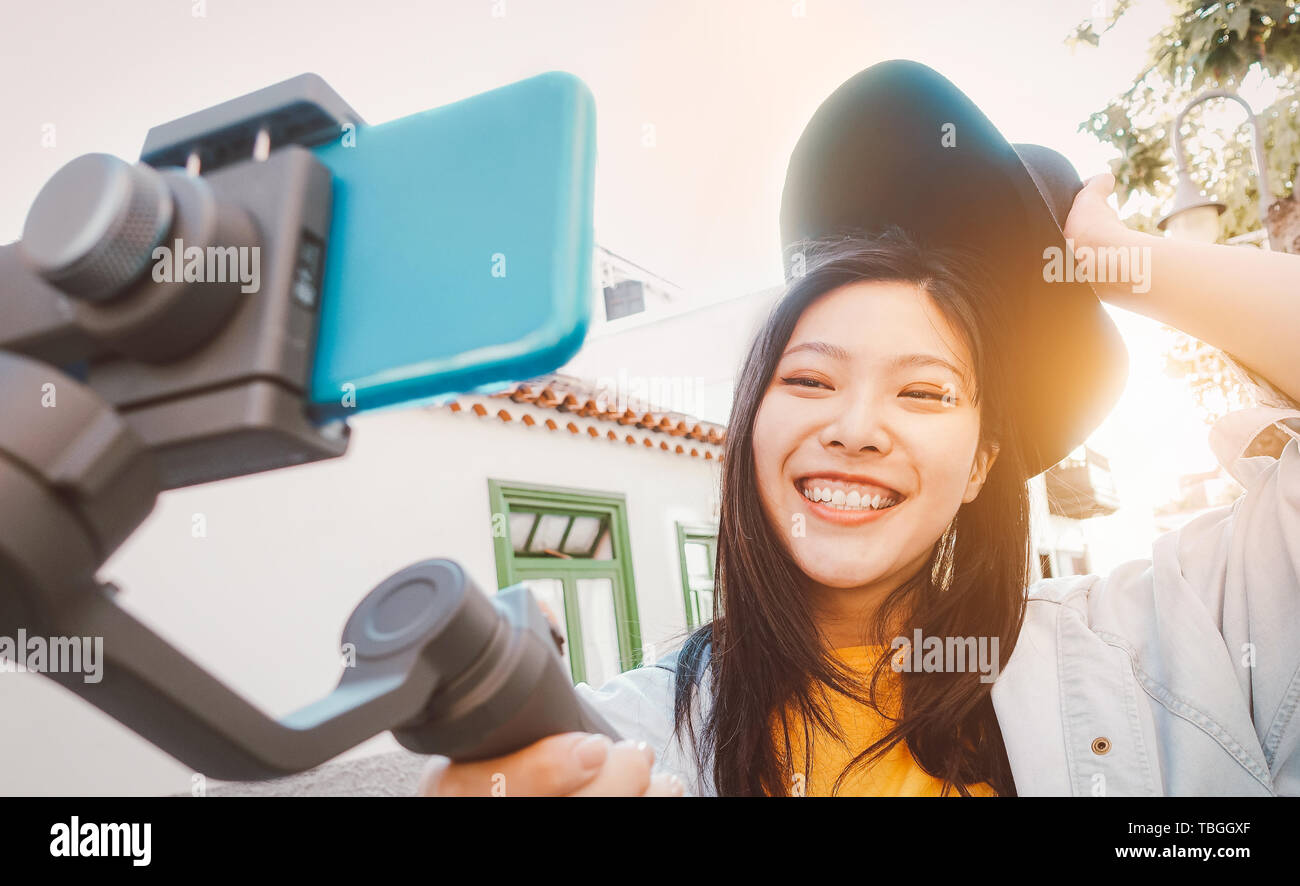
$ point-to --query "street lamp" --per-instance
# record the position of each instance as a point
(1193, 216)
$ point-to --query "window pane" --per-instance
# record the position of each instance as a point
(706, 606)
(549, 533)
(697, 559)
(605, 549)
(599, 629)
(521, 523)
(550, 597)
(582, 535)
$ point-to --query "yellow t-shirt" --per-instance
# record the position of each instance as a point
(896, 774)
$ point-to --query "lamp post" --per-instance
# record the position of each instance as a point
(1194, 217)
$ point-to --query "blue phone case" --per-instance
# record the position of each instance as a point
(460, 250)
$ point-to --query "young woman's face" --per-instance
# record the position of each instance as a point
(862, 409)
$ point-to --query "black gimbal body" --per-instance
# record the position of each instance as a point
(116, 386)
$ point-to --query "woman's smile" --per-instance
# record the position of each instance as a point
(845, 514)
(848, 500)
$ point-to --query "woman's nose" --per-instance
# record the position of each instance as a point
(859, 429)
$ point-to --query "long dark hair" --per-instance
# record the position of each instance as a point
(766, 654)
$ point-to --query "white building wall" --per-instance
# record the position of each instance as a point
(1108, 541)
(261, 599)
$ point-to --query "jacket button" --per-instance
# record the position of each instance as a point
(1101, 745)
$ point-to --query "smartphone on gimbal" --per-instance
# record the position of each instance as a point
(445, 252)
(460, 247)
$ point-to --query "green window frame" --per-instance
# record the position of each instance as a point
(507, 497)
(692, 586)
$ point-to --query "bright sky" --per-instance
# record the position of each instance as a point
(727, 85)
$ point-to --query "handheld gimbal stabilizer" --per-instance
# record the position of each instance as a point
(117, 385)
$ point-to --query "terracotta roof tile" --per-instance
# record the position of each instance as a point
(583, 398)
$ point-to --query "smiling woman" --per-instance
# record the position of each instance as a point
(882, 404)
(877, 378)
(884, 424)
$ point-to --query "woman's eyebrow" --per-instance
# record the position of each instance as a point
(904, 361)
(835, 352)
(900, 361)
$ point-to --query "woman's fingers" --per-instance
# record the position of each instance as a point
(552, 767)
(664, 785)
(1092, 220)
(625, 774)
(574, 764)
(1103, 183)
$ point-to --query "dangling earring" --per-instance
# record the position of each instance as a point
(941, 574)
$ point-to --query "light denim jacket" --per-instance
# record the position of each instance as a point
(1186, 664)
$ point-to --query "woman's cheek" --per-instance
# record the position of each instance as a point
(947, 475)
(767, 472)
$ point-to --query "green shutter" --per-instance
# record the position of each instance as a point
(707, 536)
(511, 569)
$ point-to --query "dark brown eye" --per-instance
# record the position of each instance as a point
(805, 382)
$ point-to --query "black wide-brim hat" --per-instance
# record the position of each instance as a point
(898, 144)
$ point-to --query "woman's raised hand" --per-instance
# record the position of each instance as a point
(1092, 220)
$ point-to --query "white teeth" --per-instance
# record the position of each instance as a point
(853, 500)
